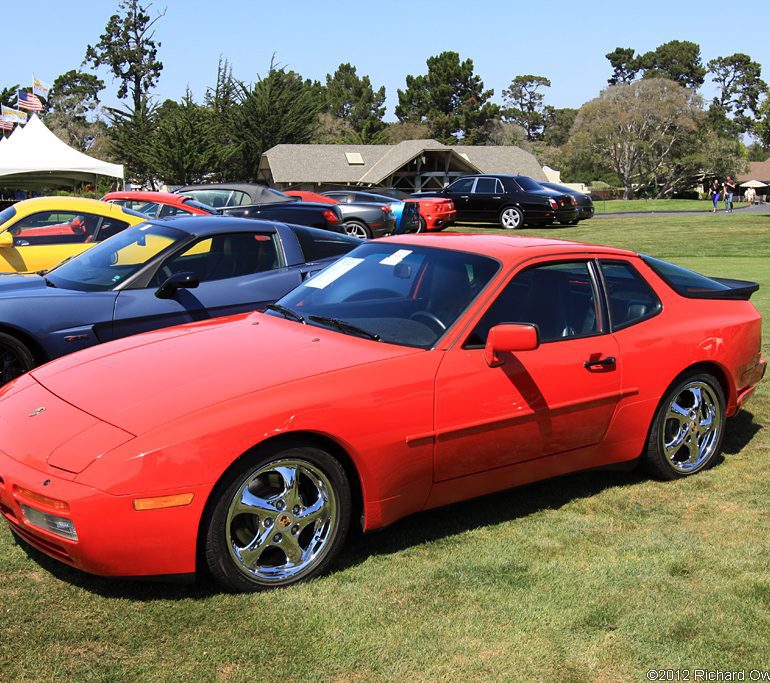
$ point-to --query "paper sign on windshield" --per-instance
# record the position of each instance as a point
(396, 257)
(334, 271)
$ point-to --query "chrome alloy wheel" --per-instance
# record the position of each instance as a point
(692, 427)
(511, 218)
(281, 521)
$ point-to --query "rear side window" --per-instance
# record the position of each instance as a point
(488, 186)
(630, 298)
(320, 244)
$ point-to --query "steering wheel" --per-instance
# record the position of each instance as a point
(430, 317)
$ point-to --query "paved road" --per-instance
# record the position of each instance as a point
(756, 208)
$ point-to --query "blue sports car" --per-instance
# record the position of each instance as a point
(156, 274)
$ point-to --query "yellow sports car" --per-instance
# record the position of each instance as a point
(36, 234)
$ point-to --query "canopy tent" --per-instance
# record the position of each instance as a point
(753, 183)
(33, 157)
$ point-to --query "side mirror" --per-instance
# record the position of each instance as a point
(6, 239)
(177, 281)
(508, 338)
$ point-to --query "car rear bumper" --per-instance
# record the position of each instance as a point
(113, 539)
(439, 220)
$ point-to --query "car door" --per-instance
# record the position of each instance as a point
(487, 199)
(557, 398)
(459, 192)
(237, 272)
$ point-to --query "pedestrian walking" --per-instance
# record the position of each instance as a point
(715, 192)
(729, 189)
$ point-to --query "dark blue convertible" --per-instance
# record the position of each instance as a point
(155, 274)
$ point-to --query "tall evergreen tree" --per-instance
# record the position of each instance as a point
(450, 99)
(128, 48)
(223, 101)
(72, 101)
(740, 87)
(279, 108)
(131, 135)
(352, 99)
(524, 100)
(183, 147)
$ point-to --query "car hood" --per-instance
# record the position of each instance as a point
(142, 382)
(22, 284)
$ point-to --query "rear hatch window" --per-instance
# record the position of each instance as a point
(693, 285)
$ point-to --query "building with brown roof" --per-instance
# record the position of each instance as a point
(410, 165)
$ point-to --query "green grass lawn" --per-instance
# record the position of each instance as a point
(655, 205)
(596, 576)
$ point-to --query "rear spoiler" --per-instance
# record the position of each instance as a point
(736, 289)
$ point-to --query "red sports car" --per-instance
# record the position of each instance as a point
(519, 359)
(159, 204)
(436, 213)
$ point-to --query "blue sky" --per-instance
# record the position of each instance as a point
(564, 41)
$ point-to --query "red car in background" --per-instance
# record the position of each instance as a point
(307, 196)
(436, 213)
(159, 204)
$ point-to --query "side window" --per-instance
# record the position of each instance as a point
(109, 227)
(223, 256)
(560, 298)
(55, 227)
(486, 186)
(631, 299)
(167, 210)
(462, 185)
(320, 244)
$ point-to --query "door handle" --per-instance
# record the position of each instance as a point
(609, 361)
(463, 196)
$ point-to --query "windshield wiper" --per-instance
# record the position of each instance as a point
(344, 326)
(286, 312)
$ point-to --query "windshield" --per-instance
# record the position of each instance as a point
(113, 261)
(6, 215)
(407, 295)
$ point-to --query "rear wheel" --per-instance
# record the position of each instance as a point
(279, 519)
(423, 225)
(15, 358)
(357, 229)
(511, 218)
(688, 428)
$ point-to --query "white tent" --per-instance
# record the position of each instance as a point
(34, 157)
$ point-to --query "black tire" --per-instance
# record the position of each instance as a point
(248, 545)
(357, 229)
(15, 358)
(423, 225)
(575, 222)
(688, 428)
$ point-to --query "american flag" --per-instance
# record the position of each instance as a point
(6, 125)
(29, 101)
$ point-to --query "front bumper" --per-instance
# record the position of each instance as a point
(113, 539)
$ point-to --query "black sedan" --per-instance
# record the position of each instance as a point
(585, 204)
(510, 200)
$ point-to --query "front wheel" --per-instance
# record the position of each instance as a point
(278, 519)
(688, 428)
(15, 358)
(511, 218)
(357, 229)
